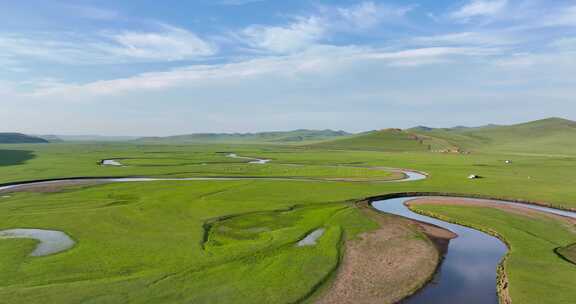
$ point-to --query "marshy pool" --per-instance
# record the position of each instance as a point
(258, 161)
(111, 162)
(50, 241)
(311, 238)
(412, 176)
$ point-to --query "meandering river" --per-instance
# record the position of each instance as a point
(466, 275)
(52, 242)
(468, 271)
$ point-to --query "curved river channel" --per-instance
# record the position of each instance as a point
(468, 272)
(466, 275)
(52, 242)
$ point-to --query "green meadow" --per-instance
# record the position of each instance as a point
(545, 178)
(176, 242)
(235, 241)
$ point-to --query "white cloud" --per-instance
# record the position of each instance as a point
(167, 44)
(468, 38)
(310, 81)
(369, 14)
(432, 55)
(290, 68)
(436, 52)
(565, 16)
(565, 44)
(199, 75)
(517, 60)
(559, 56)
(92, 12)
(236, 2)
(520, 16)
(564, 61)
(306, 31)
(320, 60)
(479, 8)
(171, 43)
(44, 47)
(283, 39)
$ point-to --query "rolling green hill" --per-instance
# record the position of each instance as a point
(547, 136)
(387, 140)
(19, 138)
(296, 136)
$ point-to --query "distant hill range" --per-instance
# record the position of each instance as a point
(546, 136)
(551, 136)
(19, 138)
(296, 136)
(100, 138)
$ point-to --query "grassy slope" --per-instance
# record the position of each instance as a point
(547, 136)
(536, 273)
(544, 136)
(553, 136)
(383, 140)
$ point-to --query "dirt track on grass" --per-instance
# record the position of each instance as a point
(388, 264)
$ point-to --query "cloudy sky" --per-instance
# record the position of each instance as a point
(153, 67)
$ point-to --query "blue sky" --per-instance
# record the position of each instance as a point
(152, 67)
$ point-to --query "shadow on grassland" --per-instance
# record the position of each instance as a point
(15, 157)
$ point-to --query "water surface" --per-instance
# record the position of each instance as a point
(412, 176)
(311, 238)
(468, 272)
(50, 241)
(111, 162)
(258, 161)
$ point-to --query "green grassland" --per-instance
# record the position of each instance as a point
(538, 178)
(234, 241)
(383, 140)
(535, 272)
(175, 241)
(552, 136)
(547, 136)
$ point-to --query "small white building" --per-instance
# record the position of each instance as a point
(473, 176)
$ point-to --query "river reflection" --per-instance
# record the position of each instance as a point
(468, 272)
